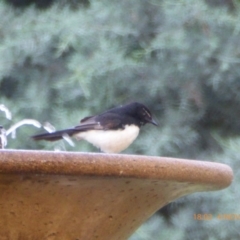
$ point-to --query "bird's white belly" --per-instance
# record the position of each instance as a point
(110, 141)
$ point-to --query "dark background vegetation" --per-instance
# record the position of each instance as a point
(63, 60)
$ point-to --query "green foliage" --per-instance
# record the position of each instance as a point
(181, 59)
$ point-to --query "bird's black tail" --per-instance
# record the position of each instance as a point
(54, 136)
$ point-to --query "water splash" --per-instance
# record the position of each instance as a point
(4, 109)
(12, 129)
(49, 127)
(3, 138)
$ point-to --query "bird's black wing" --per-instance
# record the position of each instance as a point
(99, 122)
(54, 136)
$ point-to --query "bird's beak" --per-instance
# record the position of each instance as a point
(152, 121)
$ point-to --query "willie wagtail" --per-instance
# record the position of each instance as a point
(112, 131)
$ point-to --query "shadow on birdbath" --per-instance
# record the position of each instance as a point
(66, 195)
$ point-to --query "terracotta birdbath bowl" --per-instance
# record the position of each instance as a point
(72, 196)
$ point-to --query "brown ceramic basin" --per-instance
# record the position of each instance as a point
(73, 196)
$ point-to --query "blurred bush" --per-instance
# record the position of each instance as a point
(63, 60)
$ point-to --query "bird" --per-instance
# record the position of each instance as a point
(111, 131)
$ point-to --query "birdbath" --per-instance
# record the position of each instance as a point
(64, 195)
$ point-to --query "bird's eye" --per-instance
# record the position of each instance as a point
(145, 113)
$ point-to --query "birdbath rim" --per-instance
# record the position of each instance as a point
(216, 175)
(94, 195)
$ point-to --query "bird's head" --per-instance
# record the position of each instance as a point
(142, 113)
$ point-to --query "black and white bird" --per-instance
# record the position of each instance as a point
(111, 131)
